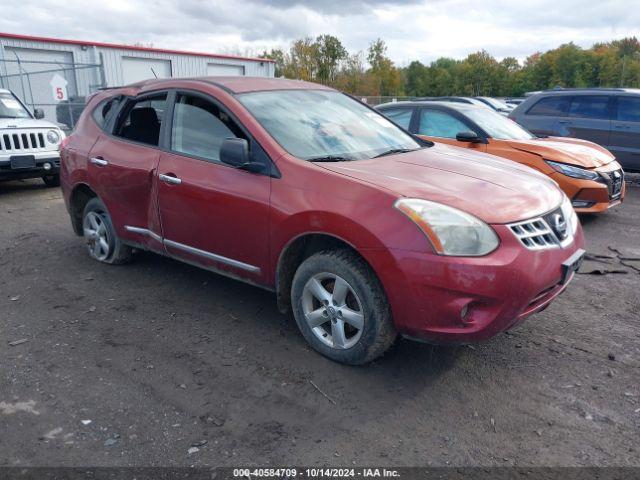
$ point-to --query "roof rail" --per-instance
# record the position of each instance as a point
(583, 89)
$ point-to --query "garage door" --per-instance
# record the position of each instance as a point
(218, 69)
(30, 80)
(135, 69)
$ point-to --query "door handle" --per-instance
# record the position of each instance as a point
(101, 162)
(564, 122)
(170, 179)
(622, 127)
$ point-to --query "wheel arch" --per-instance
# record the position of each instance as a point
(80, 196)
(298, 249)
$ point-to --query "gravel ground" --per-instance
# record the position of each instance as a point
(159, 363)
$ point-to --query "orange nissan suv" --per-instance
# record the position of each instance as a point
(588, 173)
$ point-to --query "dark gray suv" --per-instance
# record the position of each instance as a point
(607, 116)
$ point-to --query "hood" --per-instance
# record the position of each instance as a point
(8, 123)
(494, 190)
(572, 151)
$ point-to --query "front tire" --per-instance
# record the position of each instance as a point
(341, 308)
(103, 244)
(51, 180)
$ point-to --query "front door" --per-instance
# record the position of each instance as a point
(122, 167)
(212, 214)
(588, 118)
(442, 127)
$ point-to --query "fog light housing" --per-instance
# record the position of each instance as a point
(47, 166)
(582, 204)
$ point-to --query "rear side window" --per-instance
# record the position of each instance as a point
(104, 111)
(587, 106)
(401, 116)
(199, 127)
(143, 119)
(550, 106)
(628, 109)
(434, 123)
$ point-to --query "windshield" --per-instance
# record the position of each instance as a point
(316, 124)
(497, 126)
(10, 107)
(497, 104)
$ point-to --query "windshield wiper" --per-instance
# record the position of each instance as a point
(329, 158)
(394, 151)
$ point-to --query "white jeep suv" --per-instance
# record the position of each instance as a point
(29, 146)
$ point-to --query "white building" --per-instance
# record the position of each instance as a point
(49, 72)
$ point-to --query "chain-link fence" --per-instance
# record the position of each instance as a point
(50, 81)
(373, 101)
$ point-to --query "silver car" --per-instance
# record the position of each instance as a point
(607, 116)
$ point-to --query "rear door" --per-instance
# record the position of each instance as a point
(212, 214)
(544, 116)
(588, 118)
(443, 126)
(122, 167)
(624, 142)
(400, 116)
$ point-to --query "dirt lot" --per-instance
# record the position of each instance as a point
(162, 358)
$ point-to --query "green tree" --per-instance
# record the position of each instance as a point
(330, 53)
(383, 70)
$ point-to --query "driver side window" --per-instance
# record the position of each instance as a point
(436, 123)
(199, 127)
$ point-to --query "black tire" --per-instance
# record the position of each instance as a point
(51, 180)
(378, 332)
(118, 253)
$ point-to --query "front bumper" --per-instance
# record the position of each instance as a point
(464, 299)
(52, 159)
(591, 196)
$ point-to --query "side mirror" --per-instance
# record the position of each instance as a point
(235, 153)
(38, 113)
(468, 136)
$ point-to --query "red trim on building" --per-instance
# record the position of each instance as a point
(130, 47)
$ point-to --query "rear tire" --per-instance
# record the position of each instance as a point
(102, 242)
(341, 308)
(51, 180)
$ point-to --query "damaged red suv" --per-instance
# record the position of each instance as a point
(362, 230)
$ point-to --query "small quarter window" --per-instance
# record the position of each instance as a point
(104, 111)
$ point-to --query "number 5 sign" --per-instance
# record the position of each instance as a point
(58, 88)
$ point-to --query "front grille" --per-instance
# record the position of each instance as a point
(26, 141)
(547, 231)
(614, 181)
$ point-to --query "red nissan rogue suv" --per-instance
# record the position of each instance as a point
(361, 229)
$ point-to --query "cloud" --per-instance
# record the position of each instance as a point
(412, 29)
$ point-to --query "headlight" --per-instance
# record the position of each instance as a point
(450, 231)
(570, 215)
(53, 136)
(571, 171)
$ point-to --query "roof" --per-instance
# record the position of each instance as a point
(418, 103)
(255, 84)
(16, 36)
(560, 91)
(234, 84)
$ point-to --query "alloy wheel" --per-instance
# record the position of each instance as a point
(332, 310)
(97, 235)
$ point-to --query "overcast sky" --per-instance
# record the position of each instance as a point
(413, 29)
